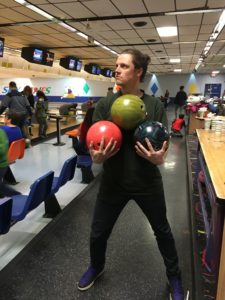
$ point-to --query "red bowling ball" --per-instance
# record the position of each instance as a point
(104, 129)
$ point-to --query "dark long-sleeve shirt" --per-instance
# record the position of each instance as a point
(126, 172)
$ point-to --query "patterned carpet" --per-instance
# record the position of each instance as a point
(207, 278)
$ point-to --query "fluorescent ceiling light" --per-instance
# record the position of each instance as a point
(82, 35)
(40, 12)
(21, 2)
(167, 31)
(113, 52)
(215, 72)
(223, 66)
(67, 26)
(174, 60)
(185, 12)
(96, 43)
(177, 70)
(106, 48)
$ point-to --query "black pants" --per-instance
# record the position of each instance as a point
(107, 210)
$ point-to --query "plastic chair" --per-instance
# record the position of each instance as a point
(5, 214)
(40, 191)
(52, 207)
(16, 151)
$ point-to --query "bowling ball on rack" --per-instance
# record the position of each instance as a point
(106, 129)
(128, 111)
(156, 132)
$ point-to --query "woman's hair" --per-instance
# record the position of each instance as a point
(40, 94)
(27, 90)
(140, 60)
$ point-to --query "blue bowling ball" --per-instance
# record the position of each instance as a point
(156, 132)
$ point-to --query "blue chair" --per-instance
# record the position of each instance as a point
(39, 192)
(52, 207)
(5, 214)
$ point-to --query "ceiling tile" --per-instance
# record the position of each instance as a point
(148, 33)
(188, 38)
(13, 15)
(118, 24)
(207, 29)
(134, 7)
(215, 3)
(54, 11)
(189, 19)
(184, 4)
(211, 18)
(127, 33)
(159, 5)
(188, 30)
(164, 21)
(9, 3)
(74, 9)
(102, 7)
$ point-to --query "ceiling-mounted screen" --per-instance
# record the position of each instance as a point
(38, 55)
(48, 58)
(107, 72)
(92, 69)
(2, 42)
(71, 63)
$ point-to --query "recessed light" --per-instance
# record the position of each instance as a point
(177, 70)
(151, 40)
(140, 23)
(167, 31)
(174, 60)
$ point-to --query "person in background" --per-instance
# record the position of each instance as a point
(130, 172)
(167, 98)
(12, 131)
(177, 125)
(5, 190)
(86, 105)
(180, 101)
(27, 91)
(17, 102)
(64, 109)
(110, 91)
(41, 111)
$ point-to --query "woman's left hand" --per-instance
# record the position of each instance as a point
(155, 157)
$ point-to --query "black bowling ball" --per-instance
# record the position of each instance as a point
(156, 132)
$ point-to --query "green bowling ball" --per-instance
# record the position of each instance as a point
(128, 111)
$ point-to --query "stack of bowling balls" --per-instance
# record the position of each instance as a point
(128, 113)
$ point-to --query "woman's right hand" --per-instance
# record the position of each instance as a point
(104, 152)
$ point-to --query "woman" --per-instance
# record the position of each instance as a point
(41, 110)
(27, 91)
